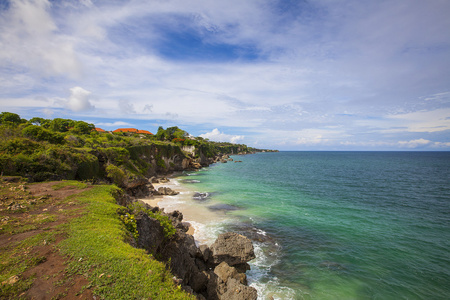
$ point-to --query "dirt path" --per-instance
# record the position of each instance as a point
(31, 216)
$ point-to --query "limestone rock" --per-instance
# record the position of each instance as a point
(232, 248)
(237, 291)
(151, 233)
(224, 272)
(167, 191)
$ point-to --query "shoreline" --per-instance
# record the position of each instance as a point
(207, 224)
(197, 216)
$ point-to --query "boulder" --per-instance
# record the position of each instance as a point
(180, 251)
(237, 291)
(232, 248)
(166, 191)
(151, 233)
(153, 180)
(226, 283)
(205, 251)
(224, 272)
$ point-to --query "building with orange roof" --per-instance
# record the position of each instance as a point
(144, 132)
(99, 129)
(132, 130)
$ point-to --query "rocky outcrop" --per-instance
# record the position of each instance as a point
(232, 248)
(166, 191)
(210, 273)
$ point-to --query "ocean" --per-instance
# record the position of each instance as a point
(330, 225)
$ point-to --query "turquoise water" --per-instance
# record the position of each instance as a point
(339, 225)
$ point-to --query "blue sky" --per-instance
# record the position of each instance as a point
(288, 75)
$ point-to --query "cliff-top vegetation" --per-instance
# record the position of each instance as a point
(53, 149)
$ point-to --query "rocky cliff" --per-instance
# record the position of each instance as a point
(216, 272)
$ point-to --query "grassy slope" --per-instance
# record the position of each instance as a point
(94, 247)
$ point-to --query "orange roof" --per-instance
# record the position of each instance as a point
(126, 130)
(133, 130)
(99, 129)
(144, 131)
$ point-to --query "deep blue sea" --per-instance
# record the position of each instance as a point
(338, 225)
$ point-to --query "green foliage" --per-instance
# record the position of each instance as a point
(12, 119)
(88, 166)
(166, 223)
(75, 184)
(43, 149)
(160, 162)
(116, 174)
(39, 133)
(39, 121)
(96, 245)
(170, 133)
(19, 145)
(81, 127)
(129, 221)
(117, 155)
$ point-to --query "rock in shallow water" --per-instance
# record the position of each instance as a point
(232, 248)
(222, 207)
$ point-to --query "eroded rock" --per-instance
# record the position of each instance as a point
(232, 248)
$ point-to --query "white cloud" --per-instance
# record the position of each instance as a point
(414, 143)
(425, 121)
(126, 107)
(30, 40)
(378, 72)
(216, 135)
(79, 100)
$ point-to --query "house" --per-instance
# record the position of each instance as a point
(132, 130)
(144, 132)
(99, 129)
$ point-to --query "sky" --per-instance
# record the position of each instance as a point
(277, 74)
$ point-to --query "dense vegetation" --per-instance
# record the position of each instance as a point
(50, 149)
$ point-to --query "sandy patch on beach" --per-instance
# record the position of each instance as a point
(203, 222)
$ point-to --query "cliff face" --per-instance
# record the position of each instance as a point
(130, 168)
(216, 272)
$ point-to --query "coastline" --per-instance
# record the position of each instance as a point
(199, 218)
(207, 224)
(207, 258)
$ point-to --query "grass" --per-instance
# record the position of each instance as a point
(75, 184)
(115, 269)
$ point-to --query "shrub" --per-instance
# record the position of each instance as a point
(39, 133)
(116, 174)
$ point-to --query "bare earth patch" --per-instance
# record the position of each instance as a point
(32, 218)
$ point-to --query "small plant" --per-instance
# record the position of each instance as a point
(166, 223)
(129, 220)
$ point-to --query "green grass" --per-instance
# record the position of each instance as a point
(96, 246)
(75, 184)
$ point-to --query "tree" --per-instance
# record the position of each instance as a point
(39, 121)
(7, 118)
(83, 127)
(60, 125)
(161, 134)
(170, 133)
(41, 134)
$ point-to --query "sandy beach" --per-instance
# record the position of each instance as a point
(203, 222)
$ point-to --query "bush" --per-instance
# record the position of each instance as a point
(117, 155)
(116, 174)
(19, 145)
(41, 134)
